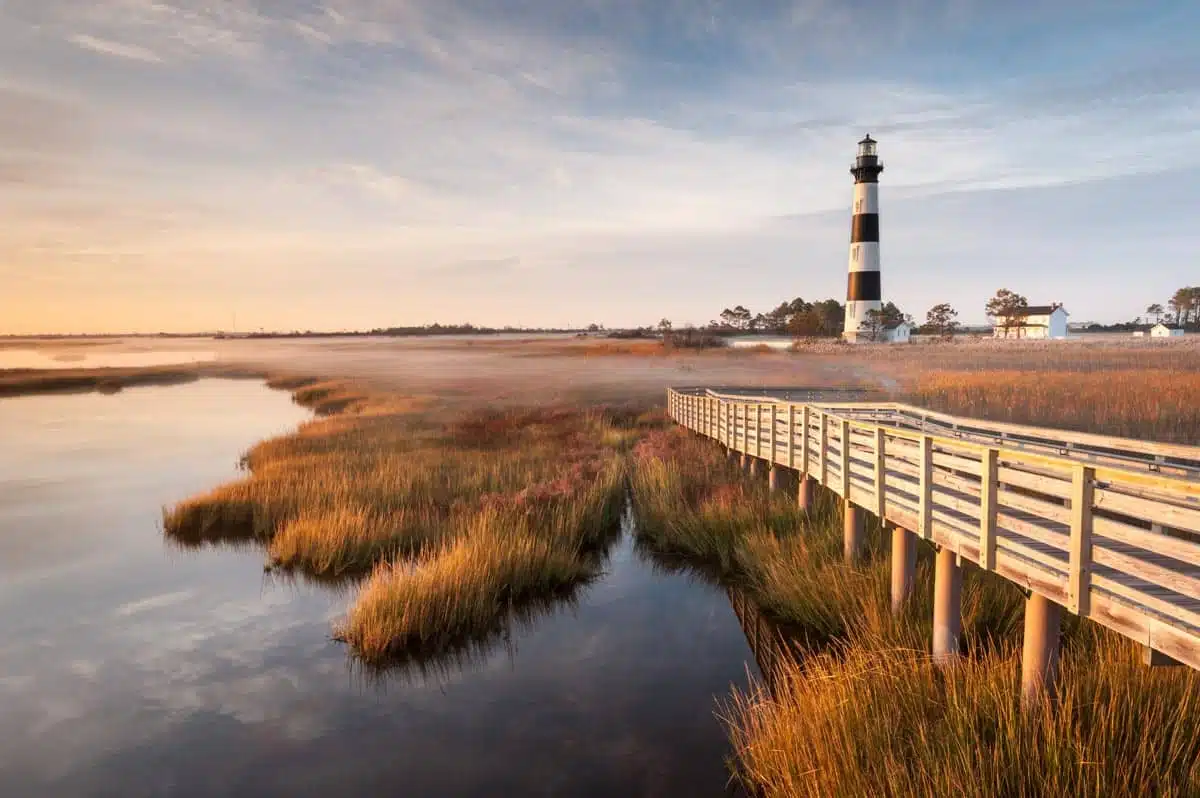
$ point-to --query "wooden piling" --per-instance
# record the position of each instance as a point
(804, 493)
(947, 606)
(854, 531)
(1039, 650)
(904, 565)
(773, 478)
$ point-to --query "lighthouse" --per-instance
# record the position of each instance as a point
(864, 290)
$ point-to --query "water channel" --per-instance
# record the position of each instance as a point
(129, 667)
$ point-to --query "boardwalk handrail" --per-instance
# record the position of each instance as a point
(1085, 521)
(1169, 458)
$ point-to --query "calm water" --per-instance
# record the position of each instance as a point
(98, 357)
(129, 668)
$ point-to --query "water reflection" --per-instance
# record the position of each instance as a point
(132, 668)
(451, 661)
(772, 645)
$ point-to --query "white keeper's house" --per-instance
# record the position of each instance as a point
(1163, 331)
(1034, 322)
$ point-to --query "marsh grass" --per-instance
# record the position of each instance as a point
(867, 719)
(455, 520)
(1143, 403)
(855, 707)
(345, 492)
(452, 656)
(467, 587)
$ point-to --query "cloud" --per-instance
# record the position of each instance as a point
(371, 181)
(115, 49)
(153, 603)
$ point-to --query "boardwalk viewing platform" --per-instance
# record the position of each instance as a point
(1106, 528)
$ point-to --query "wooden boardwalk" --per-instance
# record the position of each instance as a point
(1107, 528)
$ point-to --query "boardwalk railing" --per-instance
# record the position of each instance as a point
(1105, 527)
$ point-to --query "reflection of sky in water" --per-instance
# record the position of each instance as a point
(128, 668)
(83, 358)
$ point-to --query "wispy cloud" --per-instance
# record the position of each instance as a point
(115, 49)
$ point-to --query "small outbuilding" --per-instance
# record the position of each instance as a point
(1163, 331)
(1034, 322)
(898, 333)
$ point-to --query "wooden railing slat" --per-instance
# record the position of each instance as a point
(988, 510)
(926, 482)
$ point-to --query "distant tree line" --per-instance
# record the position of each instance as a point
(800, 318)
(405, 332)
(1182, 310)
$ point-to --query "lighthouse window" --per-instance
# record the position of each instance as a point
(858, 206)
(855, 254)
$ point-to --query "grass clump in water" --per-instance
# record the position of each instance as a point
(465, 588)
(391, 477)
(457, 517)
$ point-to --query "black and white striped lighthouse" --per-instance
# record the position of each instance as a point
(864, 292)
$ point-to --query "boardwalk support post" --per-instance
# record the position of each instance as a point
(773, 477)
(1039, 651)
(947, 606)
(804, 493)
(854, 531)
(755, 466)
(904, 564)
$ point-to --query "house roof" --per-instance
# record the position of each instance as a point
(1040, 310)
(896, 325)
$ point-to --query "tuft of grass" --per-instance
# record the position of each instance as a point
(471, 585)
(871, 720)
(349, 540)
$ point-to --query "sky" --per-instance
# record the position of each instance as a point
(181, 165)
